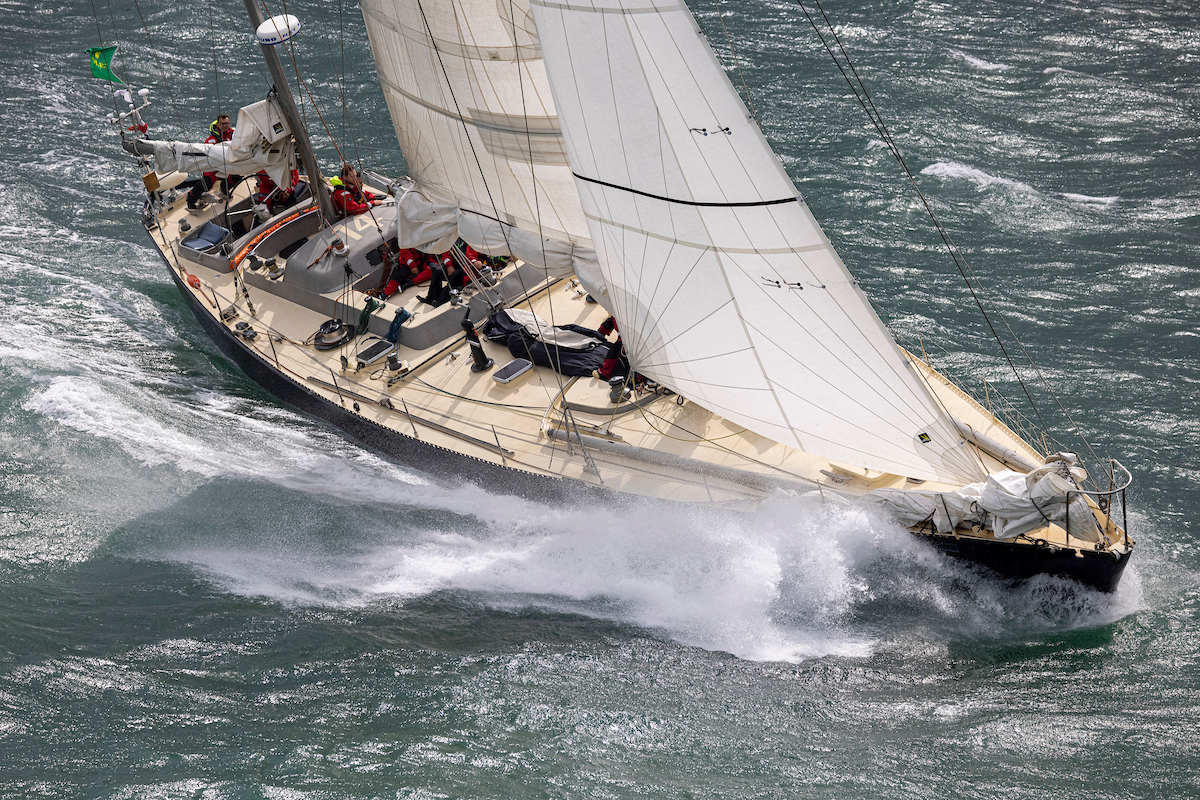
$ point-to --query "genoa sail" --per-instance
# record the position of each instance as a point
(467, 92)
(725, 287)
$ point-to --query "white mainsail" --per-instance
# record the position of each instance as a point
(261, 141)
(724, 285)
(468, 96)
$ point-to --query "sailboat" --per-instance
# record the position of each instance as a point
(597, 156)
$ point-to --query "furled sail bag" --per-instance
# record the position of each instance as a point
(1011, 503)
(260, 142)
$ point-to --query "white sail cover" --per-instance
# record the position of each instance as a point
(1010, 503)
(467, 91)
(261, 142)
(724, 286)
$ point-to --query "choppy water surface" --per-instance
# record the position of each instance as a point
(209, 595)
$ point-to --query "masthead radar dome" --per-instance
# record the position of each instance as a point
(277, 30)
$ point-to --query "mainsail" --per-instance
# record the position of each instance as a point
(467, 92)
(262, 141)
(724, 285)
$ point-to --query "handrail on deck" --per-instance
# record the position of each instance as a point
(1104, 500)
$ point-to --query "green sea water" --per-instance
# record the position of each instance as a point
(206, 594)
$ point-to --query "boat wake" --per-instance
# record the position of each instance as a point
(799, 580)
(307, 519)
(302, 517)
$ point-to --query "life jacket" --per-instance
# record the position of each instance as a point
(215, 136)
(410, 258)
(348, 202)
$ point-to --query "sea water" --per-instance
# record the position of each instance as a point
(209, 595)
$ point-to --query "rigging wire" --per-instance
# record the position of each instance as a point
(1020, 344)
(304, 85)
(437, 51)
(111, 18)
(511, 406)
(250, 43)
(212, 39)
(715, 443)
(353, 134)
(864, 98)
(320, 115)
(337, 77)
(475, 154)
(345, 109)
(100, 38)
(161, 69)
(334, 141)
(537, 210)
(738, 63)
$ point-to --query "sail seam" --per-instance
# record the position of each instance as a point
(593, 10)
(687, 202)
(455, 49)
(491, 126)
(811, 248)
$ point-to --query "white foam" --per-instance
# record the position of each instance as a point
(956, 171)
(711, 580)
(979, 63)
(221, 436)
(786, 584)
(1087, 200)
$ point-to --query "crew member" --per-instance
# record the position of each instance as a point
(447, 278)
(219, 131)
(411, 269)
(349, 197)
(272, 196)
(616, 351)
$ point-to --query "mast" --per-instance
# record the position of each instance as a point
(316, 183)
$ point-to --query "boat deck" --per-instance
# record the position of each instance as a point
(542, 422)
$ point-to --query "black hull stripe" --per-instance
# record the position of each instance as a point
(688, 202)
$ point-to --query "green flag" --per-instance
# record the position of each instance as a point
(101, 61)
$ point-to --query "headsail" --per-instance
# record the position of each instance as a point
(467, 92)
(724, 285)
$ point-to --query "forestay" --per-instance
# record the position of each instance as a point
(467, 91)
(725, 287)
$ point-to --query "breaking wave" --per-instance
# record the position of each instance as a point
(979, 63)
(953, 170)
(1094, 202)
(799, 580)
